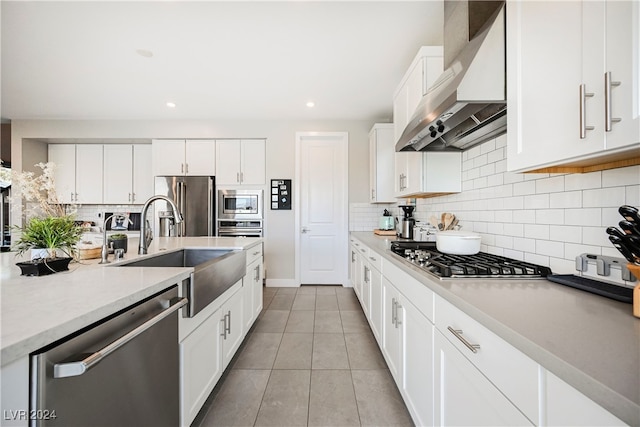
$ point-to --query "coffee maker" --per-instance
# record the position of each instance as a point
(406, 228)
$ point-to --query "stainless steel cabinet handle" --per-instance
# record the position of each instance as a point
(372, 258)
(186, 168)
(398, 318)
(129, 196)
(366, 274)
(373, 194)
(583, 115)
(353, 256)
(608, 84)
(72, 196)
(394, 312)
(238, 177)
(458, 334)
(76, 368)
(224, 327)
(181, 167)
(241, 177)
(228, 328)
(257, 273)
(256, 253)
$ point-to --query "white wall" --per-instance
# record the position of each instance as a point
(280, 136)
(546, 219)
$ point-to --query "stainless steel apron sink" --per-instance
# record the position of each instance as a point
(215, 271)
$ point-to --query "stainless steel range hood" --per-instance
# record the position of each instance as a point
(467, 104)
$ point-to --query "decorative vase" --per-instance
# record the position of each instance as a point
(42, 267)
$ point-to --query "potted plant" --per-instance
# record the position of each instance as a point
(50, 229)
(118, 241)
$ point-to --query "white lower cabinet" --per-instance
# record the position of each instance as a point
(14, 393)
(566, 406)
(375, 306)
(252, 285)
(231, 326)
(201, 367)
(207, 350)
(356, 269)
(463, 396)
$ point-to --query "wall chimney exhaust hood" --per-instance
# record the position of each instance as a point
(467, 104)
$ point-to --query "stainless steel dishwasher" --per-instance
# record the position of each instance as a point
(121, 371)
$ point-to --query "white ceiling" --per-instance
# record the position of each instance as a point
(214, 59)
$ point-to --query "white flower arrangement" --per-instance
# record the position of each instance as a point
(38, 192)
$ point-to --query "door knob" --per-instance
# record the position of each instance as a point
(305, 229)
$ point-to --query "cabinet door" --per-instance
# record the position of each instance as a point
(201, 367)
(168, 157)
(375, 308)
(118, 173)
(414, 173)
(200, 157)
(366, 288)
(391, 331)
(622, 45)
(252, 284)
(381, 164)
(89, 167)
(252, 168)
(543, 88)
(417, 363)
(567, 406)
(64, 158)
(228, 162)
(142, 173)
(463, 396)
(231, 324)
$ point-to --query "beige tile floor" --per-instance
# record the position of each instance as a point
(309, 360)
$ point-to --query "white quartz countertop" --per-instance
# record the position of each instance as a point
(37, 311)
(591, 342)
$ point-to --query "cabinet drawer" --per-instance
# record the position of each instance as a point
(512, 372)
(420, 295)
(374, 259)
(253, 253)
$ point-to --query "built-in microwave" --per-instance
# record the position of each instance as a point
(240, 204)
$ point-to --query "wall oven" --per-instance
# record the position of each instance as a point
(240, 213)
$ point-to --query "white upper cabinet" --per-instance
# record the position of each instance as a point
(428, 173)
(78, 173)
(381, 163)
(127, 173)
(240, 162)
(422, 73)
(184, 157)
(568, 85)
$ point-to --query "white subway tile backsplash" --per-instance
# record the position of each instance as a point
(588, 217)
(603, 197)
(538, 201)
(620, 177)
(554, 184)
(550, 248)
(524, 244)
(546, 219)
(567, 199)
(582, 181)
(524, 188)
(596, 236)
(535, 231)
(550, 216)
(565, 233)
(632, 195)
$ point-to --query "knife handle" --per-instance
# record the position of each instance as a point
(622, 248)
(629, 213)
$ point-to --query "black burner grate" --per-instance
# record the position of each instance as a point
(481, 264)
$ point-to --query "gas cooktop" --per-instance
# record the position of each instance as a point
(483, 265)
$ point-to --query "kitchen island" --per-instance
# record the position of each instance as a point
(590, 342)
(38, 311)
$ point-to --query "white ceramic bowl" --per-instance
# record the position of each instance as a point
(458, 242)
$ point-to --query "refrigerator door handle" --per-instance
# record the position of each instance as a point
(211, 210)
(182, 204)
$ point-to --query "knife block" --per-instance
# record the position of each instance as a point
(635, 270)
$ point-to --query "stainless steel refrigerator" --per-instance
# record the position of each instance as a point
(194, 196)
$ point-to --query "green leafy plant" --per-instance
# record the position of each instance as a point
(119, 236)
(49, 233)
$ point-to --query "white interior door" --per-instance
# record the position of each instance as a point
(322, 220)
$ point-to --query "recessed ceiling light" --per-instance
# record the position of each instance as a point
(311, 104)
(171, 104)
(144, 52)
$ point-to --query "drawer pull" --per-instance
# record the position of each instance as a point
(458, 334)
(372, 258)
